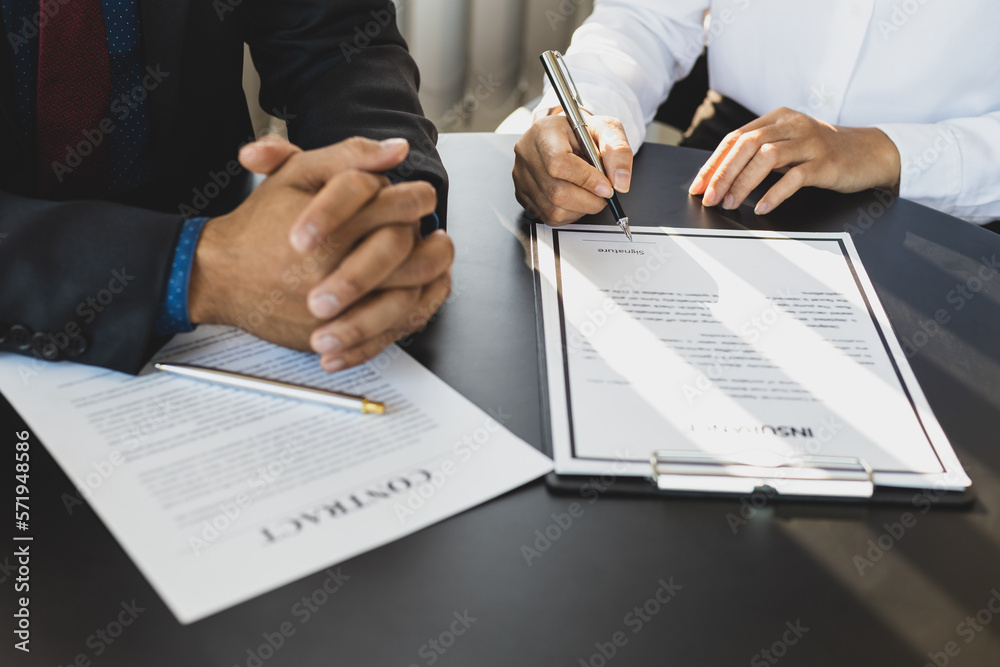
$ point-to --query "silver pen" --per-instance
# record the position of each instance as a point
(569, 98)
(275, 388)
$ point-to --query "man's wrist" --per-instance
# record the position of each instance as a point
(891, 161)
(206, 304)
(174, 316)
(876, 146)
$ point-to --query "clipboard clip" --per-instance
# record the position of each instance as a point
(762, 472)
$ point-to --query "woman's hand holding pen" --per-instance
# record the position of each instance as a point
(331, 248)
(555, 183)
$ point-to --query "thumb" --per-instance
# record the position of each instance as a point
(266, 155)
(374, 156)
(317, 167)
(615, 150)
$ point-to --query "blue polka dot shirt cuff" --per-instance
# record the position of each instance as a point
(173, 317)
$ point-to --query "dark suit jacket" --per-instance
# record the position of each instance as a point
(98, 269)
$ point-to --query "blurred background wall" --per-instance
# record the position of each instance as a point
(478, 59)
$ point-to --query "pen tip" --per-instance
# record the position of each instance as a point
(623, 223)
(372, 408)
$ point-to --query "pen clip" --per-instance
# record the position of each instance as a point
(570, 83)
(569, 98)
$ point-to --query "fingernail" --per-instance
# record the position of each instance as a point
(248, 152)
(730, 203)
(333, 365)
(761, 208)
(393, 144)
(711, 197)
(324, 305)
(327, 344)
(696, 185)
(305, 237)
(604, 190)
(623, 180)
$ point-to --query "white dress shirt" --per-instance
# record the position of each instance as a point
(925, 72)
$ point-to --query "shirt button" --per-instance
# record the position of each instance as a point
(44, 347)
(77, 346)
(20, 337)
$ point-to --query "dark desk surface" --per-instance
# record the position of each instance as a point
(742, 584)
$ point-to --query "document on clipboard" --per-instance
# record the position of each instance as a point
(728, 361)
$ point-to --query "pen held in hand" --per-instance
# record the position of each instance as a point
(275, 388)
(569, 98)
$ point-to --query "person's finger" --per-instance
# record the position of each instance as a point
(562, 164)
(736, 160)
(311, 170)
(560, 198)
(376, 316)
(351, 190)
(616, 153)
(430, 301)
(268, 154)
(432, 297)
(568, 203)
(360, 354)
(700, 183)
(530, 210)
(536, 203)
(524, 186)
(368, 265)
(431, 258)
(795, 179)
(548, 175)
(771, 157)
(400, 204)
(561, 202)
(526, 190)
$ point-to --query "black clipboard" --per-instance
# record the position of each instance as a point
(647, 487)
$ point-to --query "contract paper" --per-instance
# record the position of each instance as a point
(221, 494)
(748, 346)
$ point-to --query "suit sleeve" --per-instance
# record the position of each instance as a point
(335, 70)
(82, 280)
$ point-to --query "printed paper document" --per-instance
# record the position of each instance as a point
(733, 343)
(221, 494)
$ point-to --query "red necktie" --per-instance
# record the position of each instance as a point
(74, 94)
